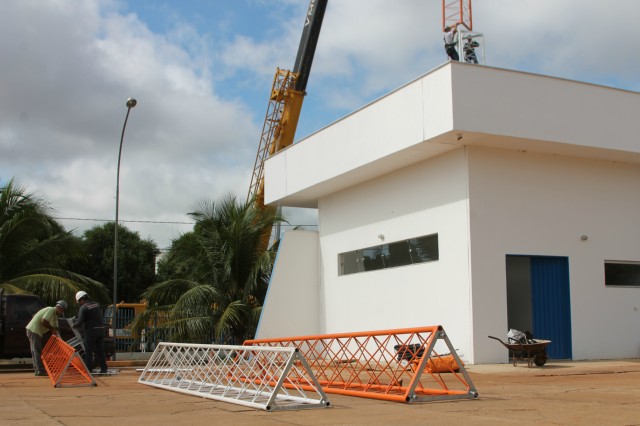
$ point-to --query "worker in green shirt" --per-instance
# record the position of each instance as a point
(45, 320)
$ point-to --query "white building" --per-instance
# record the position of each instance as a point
(526, 189)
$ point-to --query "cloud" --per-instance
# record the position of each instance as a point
(202, 78)
(68, 68)
(586, 41)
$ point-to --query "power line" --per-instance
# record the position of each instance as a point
(129, 221)
(154, 221)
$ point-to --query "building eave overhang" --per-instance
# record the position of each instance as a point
(453, 106)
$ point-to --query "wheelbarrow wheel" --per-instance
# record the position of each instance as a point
(540, 358)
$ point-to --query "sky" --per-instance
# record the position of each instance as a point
(201, 71)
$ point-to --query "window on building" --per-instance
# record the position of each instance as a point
(621, 274)
(399, 253)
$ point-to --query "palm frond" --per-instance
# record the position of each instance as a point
(168, 292)
(8, 288)
(230, 319)
(199, 300)
(228, 282)
(55, 284)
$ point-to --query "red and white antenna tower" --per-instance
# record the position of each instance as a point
(457, 12)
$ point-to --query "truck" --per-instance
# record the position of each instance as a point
(125, 314)
(16, 310)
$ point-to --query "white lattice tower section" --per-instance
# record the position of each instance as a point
(267, 378)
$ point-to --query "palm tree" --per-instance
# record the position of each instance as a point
(223, 273)
(33, 246)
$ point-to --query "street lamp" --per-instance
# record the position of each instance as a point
(131, 102)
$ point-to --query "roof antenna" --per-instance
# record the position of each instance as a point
(458, 13)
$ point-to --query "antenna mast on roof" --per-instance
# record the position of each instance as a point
(457, 12)
(460, 12)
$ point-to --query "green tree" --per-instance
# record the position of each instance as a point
(34, 248)
(182, 258)
(222, 270)
(136, 259)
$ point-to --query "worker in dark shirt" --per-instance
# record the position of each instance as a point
(470, 51)
(90, 319)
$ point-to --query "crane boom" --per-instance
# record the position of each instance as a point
(308, 42)
(285, 102)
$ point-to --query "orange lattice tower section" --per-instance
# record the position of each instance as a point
(400, 365)
(457, 12)
(64, 365)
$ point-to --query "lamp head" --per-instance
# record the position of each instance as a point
(131, 102)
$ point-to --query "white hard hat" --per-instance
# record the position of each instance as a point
(62, 304)
(80, 295)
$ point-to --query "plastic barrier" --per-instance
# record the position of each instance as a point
(264, 378)
(402, 365)
(64, 365)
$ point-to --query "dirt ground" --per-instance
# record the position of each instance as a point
(560, 393)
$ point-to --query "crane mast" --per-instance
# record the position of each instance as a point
(285, 101)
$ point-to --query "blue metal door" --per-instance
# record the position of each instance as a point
(551, 304)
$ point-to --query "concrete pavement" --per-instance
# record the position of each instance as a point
(566, 393)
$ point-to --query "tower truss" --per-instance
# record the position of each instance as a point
(457, 12)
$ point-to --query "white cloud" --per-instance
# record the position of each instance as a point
(587, 41)
(68, 67)
(64, 86)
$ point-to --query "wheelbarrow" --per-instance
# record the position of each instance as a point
(534, 351)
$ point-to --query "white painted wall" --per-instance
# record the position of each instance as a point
(496, 162)
(427, 198)
(538, 204)
(379, 138)
(293, 303)
(570, 114)
(452, 106)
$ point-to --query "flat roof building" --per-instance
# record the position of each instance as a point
(476, 198)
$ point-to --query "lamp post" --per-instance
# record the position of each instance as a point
(131, 102)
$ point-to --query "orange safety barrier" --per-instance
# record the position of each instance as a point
(401, 365)
(64, 365)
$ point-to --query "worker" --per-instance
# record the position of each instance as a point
(450, 42)
(91, 320)
(44, 321)
(470, 51)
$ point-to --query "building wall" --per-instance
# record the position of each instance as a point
(453, 106)
(497, 163)
(537, 204)
(381, 137)
(293, 304)
(427, 198)
(574, 116)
